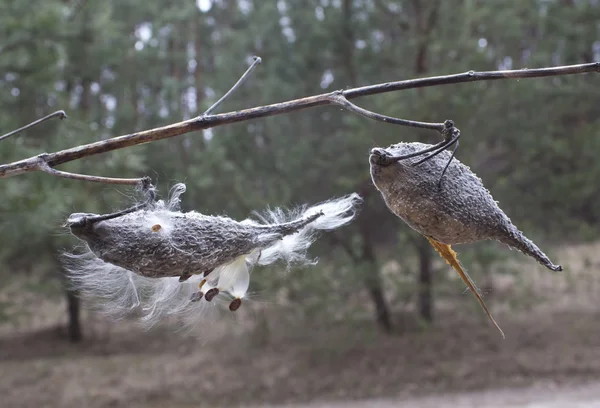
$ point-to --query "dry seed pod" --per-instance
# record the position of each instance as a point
(131, 263)
(459, 211)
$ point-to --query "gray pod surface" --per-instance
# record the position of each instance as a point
(166, 263)
(461, 211)
(159, 242)
(178, 245)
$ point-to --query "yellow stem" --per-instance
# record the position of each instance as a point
(450, 256)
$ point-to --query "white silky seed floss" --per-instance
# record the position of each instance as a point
(156, 259)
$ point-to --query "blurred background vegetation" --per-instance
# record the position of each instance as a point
(117, 67)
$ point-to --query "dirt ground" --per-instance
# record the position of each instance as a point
(540, 396)
(550, 358)
(158, 369)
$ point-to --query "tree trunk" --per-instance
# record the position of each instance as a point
(382, 312)
(425, 298)
(73, 311)
(426, 15)
(372, 281)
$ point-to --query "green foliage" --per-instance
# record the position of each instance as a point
(120, 67)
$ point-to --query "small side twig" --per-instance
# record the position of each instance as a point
(447, 129)
(42, 165)
(144, 183)
(338, 98)
(451, 135)
(61, 114)
(450, 138)
(94, 179)
(257, 61)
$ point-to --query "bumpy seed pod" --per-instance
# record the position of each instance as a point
(460, 210)
(167, 261)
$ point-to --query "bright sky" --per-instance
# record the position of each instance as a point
(204, 5)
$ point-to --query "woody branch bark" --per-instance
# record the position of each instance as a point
(340, 98)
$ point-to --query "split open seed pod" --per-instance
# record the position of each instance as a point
(460, 210)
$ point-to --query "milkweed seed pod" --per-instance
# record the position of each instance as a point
(170, 263)
(459, 211)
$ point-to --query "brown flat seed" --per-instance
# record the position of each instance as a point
(156, 227)
(235, 304)
(196, 296)
(211, 294)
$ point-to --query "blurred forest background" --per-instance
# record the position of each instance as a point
(381, 314)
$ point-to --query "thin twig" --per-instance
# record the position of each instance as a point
(339, 99)
(443, 146)
(210, 121)
(61, 114)
(92, 219)
(451, 135)
(94, 179)
(447, 129)
(144, 184)
(257, 61)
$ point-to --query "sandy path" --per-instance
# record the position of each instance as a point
(587, 396)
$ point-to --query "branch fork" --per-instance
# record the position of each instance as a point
(47, 161)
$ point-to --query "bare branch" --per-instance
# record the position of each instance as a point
(239, 83)
(333, 98)
(472, 76)
(94, 179)
(41, 162)
(61, 114)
